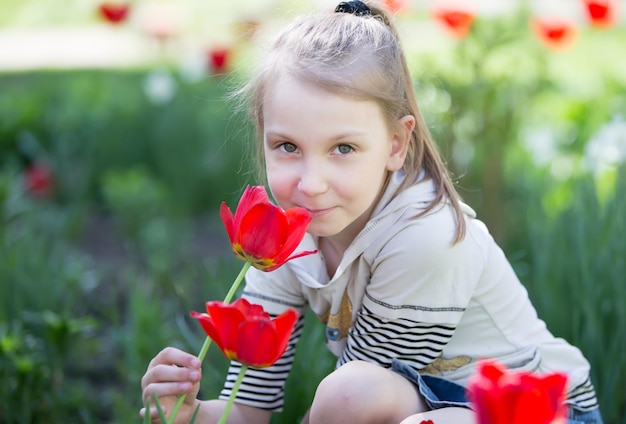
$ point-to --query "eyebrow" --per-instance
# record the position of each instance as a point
(338, 137)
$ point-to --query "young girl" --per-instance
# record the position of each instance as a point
(412, 288)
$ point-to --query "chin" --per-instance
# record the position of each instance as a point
(319, 231)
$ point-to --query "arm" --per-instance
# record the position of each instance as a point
(173, 372)
(211, 411)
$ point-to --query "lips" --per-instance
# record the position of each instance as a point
(319, 212)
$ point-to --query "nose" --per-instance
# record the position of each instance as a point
(312, 180)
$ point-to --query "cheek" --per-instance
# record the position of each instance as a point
(279, 182)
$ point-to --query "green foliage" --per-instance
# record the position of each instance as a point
(86, 124)
(101, 276)
(41, 320)
(575, 277)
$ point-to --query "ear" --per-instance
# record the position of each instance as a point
(401, 137)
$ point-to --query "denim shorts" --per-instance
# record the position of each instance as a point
(437, 392)
(584, 417)
(441, 393)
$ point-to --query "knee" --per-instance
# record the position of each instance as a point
(341, 392)
(345, 383)
(356, 392)
(362, 392)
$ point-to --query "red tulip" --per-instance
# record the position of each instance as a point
(502, 397)
(39, 181)
(395, 6)
(245, 333)
(219, 58)
(456, 21)
(601, 13)
(554, 34)
(262, 233)
(114, 12)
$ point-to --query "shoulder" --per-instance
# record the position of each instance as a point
(419, 256)
(277, 287)
(430, 238)
(419, 273)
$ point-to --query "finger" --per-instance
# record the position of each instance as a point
(169, 373)
(166, 389)
(173, 356)
(154, 413)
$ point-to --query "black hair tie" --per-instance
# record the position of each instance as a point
(355, 7)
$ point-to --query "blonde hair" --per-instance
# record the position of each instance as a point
(360, 57)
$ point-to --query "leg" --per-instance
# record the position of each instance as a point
(360, 392)
(305, 419)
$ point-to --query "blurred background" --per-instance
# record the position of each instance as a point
(117, 145)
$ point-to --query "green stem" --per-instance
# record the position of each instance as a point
(207, 341)
(233, 394)
(238, 280)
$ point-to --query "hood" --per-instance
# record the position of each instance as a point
(390, 208)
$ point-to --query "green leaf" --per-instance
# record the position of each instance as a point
(146, 417)
(159, 408)
(195, 414)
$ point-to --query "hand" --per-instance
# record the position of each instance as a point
(170, 374)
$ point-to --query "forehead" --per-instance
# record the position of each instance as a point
(294, 103)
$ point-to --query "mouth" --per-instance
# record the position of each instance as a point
(316, 213)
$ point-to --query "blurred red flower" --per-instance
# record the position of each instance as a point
(601, 13)
(219, 59)
(262, 233)
(554, 33)
(503, 397)
(395, 6)
(39, 180)
(457, 22)
(245, 333)
(114, 12)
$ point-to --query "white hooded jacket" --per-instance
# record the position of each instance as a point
(404, 291)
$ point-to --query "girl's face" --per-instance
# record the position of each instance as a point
(329, 154)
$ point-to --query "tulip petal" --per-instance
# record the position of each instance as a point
(284, 324)
(492, 371)
(256, 312)
(263, 231)
(242, 305)
(299, 219)
(251, 197)
(530, 405)
(272, 266)
(257, 343)
(227, 220)
(500, 396)
(226, 319)
(208, 326)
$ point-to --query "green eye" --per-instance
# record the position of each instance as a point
(288, 147)
(344, 149)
